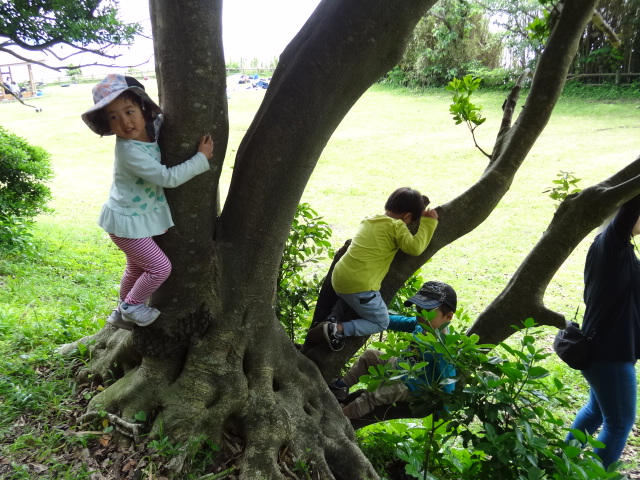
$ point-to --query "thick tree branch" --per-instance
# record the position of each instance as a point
(508, 108)
(605, 28)
(317, 81)
(464, 213)
(575, 218)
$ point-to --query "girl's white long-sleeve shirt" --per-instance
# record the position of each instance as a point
(137, 206)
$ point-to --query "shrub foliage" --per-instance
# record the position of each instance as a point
(298, 288)
(500, 422)
(24, 169)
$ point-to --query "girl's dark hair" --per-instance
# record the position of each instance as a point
(406, 199)
(102, 123)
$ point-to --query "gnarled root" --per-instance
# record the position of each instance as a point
(267, 396)
(128, 429)
(111, 354)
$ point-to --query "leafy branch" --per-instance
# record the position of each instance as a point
(462, 109)
(564, 186)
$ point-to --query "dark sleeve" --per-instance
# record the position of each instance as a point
(626, 218)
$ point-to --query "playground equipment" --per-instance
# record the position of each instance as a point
(9, 89)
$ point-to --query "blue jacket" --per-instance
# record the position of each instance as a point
(438, 368)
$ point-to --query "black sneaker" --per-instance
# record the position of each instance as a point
(339, 392)
(330, 331)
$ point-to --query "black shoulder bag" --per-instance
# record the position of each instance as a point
(572, 345)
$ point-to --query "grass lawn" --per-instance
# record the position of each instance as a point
(390, 138)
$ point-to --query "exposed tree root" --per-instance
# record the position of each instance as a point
(111, 353)
(268, 398)
(128, 429)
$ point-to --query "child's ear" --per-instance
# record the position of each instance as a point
(407, 217)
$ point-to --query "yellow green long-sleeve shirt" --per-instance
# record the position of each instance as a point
(372, 249)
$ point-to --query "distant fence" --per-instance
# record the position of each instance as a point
(618, 78)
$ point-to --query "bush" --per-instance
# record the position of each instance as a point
(500, 422)
(606, 91)
(24, 169)
(298, 291)
(493, 77)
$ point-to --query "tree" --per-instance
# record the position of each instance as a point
(608, 46)
(218, 363)
(514, 20)
(83, 25)
(451, 38)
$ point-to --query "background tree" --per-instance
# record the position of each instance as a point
(218, 364)
(452, 39)
(83, 25)
(490, 38)
(611, 49)
(513, 19)
(606, 46)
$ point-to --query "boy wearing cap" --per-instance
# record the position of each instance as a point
(437, 297)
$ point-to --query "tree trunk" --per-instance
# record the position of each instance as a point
(217, 362)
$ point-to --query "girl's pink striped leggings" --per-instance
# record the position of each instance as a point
(147, 268)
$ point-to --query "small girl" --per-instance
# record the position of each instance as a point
(358, 274)
(137, 208)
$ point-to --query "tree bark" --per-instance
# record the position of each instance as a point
(523, 297)
(217, 362)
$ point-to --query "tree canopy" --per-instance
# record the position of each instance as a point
(82, 25)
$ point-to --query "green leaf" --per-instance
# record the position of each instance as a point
(140, 416)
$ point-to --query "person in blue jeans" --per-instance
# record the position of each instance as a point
(612, 298)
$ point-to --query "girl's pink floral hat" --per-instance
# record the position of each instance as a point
(107, 91)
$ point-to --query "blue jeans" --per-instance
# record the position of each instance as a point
(372, 310)
(612, 405)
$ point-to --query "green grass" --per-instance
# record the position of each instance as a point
(390, 138)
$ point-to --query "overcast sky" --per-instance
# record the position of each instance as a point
(251, 29)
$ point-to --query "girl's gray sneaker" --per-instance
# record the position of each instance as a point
(139, 314)
(117, 321)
